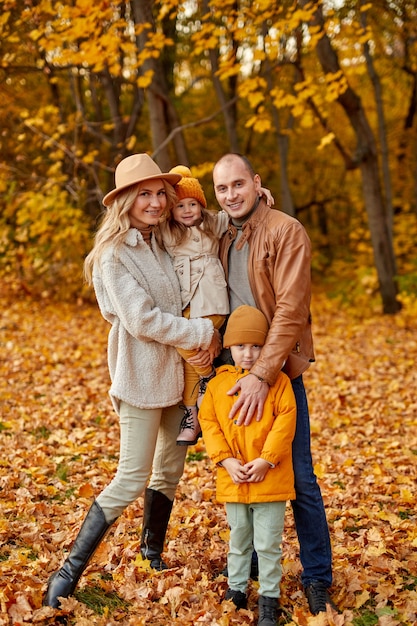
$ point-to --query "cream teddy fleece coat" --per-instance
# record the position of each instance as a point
(138, 293)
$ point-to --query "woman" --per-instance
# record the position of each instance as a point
(138, 293)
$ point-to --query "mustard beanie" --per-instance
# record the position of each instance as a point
(188, 187)
(246, 325)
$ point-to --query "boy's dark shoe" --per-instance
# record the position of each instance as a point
(268, 611)
(318, 597)
(238, 598)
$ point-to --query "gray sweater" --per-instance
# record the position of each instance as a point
(138, 293)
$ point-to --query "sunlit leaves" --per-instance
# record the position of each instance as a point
(336, 85)
(282, 99)
(260, 122)
(50, 238)
(59, 447)
(253, 89)
(97, 66)
(326, 140)
(4, 17)
(145, 80)
(93, 38)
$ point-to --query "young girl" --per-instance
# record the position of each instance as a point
(191, 237)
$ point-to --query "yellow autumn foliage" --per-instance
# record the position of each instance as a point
(44, 241)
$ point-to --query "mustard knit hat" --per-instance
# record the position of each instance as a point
(246, 325)
(188, 187)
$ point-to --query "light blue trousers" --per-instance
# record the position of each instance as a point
(260, 526)
(147, 445)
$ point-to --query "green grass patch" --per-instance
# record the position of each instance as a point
(98, 600)
(353, 529)
(368, 618)
(410, 583)
(62, 472)
(42, 432)
(32, 555)
(195, 456)
(370, 615)
(62, 497)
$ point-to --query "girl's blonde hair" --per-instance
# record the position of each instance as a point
(179, 231)
(116, 222)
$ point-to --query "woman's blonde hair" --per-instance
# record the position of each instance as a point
(115, 223)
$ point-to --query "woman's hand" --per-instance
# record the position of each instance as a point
(201, 359)
(216, 345)
(206, 357)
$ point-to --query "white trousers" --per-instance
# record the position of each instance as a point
(148, 452)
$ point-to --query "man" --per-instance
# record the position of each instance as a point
(266, 255)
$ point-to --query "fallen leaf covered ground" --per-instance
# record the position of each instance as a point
(59, 448)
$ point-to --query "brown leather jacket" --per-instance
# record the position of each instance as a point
(279, 269)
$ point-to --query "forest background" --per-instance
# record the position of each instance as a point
(322, 97)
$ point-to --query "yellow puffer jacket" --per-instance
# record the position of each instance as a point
(270, 438)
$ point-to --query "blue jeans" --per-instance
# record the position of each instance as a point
(308, 507)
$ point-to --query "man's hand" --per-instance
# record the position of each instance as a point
(256, 470)
(235, 470)
(251, 400)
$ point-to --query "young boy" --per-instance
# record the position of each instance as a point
(255, 475)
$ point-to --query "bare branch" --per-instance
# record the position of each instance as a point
(179, 129)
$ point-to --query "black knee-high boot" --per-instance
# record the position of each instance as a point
(64, 581)
(156, 512)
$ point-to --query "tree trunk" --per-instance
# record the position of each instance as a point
(229, 112)
(162, 115)
(382, 129)
(367, 160)
(287, 204)
(407, 146)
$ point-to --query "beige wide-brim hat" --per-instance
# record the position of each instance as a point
(135, 169)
